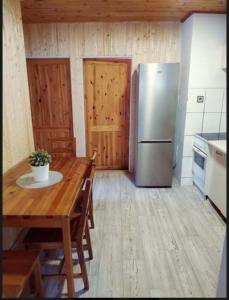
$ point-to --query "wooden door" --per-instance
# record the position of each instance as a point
(107, 102)
(51, 105)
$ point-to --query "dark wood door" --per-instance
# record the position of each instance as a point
(51, 105)
(107, 100)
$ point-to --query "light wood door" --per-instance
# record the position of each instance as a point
(51, 105)
(107, 102)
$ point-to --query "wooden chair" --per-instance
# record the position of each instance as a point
(18, 268)
(89, 174)
(93, 158)
(51, 238)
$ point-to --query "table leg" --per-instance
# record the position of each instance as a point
(37, 274)
(68, 256)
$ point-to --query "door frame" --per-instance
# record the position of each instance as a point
(127, 60)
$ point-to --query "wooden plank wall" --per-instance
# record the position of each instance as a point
(145, 42)
(17, 126)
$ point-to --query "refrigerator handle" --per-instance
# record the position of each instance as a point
(155, 141)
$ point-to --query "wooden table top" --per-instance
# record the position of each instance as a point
(55, 200)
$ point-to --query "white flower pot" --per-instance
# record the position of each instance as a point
(40, 173)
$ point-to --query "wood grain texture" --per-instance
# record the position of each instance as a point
(17, 125)
(46, 239)
(18, 267)
(56, 200)
(49, 207)
(143, 42)
(107, 106)
(111, 10)
(149, 242)
(51, 106)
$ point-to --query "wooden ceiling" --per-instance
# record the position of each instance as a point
(36, 11)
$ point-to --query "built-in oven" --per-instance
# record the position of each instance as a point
(199, 168)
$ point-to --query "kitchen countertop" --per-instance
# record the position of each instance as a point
(220, 145)
(212, 136)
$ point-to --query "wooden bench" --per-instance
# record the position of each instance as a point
(18, 267)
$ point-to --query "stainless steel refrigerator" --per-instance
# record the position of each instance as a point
(155, 126)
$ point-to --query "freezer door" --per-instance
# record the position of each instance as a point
(157, 101)
(154, 164)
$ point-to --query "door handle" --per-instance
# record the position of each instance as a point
(199, 152)
(155, 141)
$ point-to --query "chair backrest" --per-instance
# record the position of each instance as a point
(93, 158)
(90, 172)
(84, 213)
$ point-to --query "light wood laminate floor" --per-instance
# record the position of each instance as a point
(149, 242)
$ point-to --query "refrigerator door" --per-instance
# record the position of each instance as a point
(154, 164)
(157, 101)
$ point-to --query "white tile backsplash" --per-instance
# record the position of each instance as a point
(213, 100)
(209, 116)
(223, 123)
(224, 108)
(211, 122)
(192, 104)
(188, 144)
(186, 170)
(186, 181)
(193, 123)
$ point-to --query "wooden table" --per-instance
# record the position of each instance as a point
(46, 207)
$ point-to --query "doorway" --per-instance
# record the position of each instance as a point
(107, 111)
(51, 105)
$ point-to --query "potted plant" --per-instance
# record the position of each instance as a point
(39, 161)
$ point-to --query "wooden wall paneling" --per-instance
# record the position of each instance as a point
(107, 39)
(100, 39)
(129, 38)
(48, 38)
(118, 39)
(27, 43)
(17, 126)
(142, 41)
(91, 44)
(76, 49)
(43, 40)
(63, 45)
(126, 10)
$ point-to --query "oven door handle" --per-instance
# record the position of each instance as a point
(199, 152)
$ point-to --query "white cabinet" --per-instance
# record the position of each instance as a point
(215, 185)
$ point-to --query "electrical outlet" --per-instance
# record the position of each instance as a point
(200, 99)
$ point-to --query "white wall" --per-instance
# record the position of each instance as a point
(208, 40)
(202, 44)
(185, 50)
